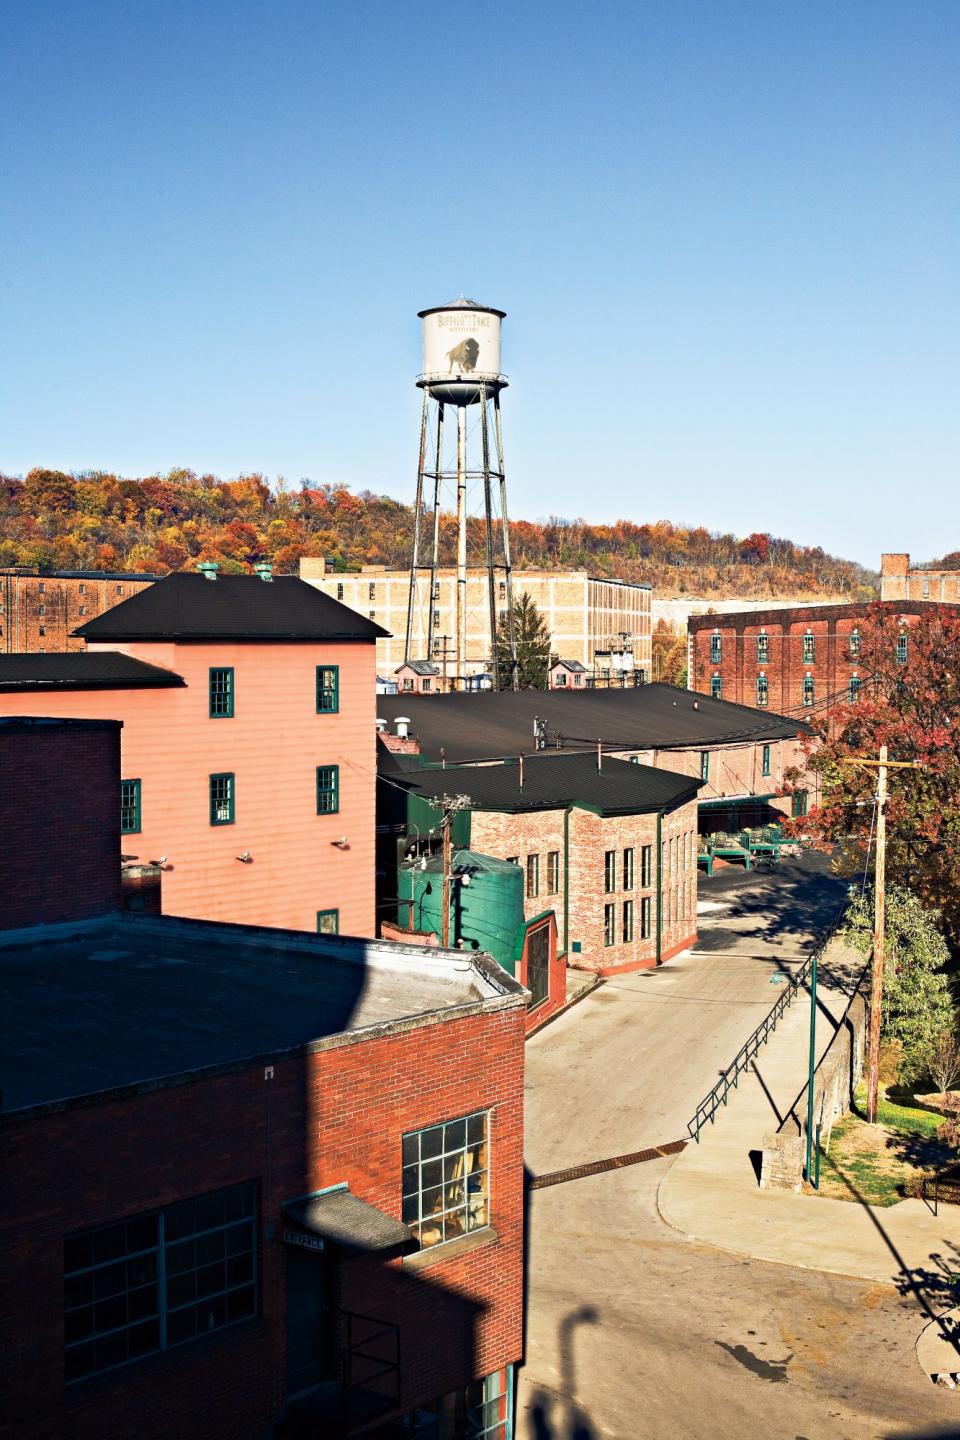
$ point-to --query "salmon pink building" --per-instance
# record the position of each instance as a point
(248, 763)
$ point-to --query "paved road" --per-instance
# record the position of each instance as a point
(635, 1331)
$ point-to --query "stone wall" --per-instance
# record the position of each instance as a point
(834, 1083)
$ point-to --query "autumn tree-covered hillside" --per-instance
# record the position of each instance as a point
(95, 521)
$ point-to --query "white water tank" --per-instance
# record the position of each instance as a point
(461, 348)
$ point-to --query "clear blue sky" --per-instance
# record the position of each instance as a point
(726, 235)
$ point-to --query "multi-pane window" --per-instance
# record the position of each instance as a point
(609, 924)
(221, 692)
(704, 764)
(158, 1280)
(646, 865)
(645, 918)
(328, 922)
(553, 871)
(538, 964)
(716, 650)
(809, 648)
(487, 1413)
(41, 609)
(533, 876)
(627, 921)
(129, 807)
(926, 590)
(610, 870)
(716, 687)
(901, 649)
(808, 689)
(328, 789)
(222, 799)
(628, 868)
(339, 591)
(372, 590)
(854, 643)
(763, 691)
(765, 760)
(446, 1190)
(763, 649)
(328, 689)
(798, 805)
(854, 689)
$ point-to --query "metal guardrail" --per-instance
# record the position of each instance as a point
(729, 1078)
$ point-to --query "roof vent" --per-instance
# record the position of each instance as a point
(264, 570)
(403, 722)
(381, 724)
(208, 569)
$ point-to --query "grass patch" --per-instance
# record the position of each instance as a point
(873, 1163)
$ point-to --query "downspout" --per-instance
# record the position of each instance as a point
(566, 883)
(659, 888)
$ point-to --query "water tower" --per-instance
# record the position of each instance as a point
(461, 372)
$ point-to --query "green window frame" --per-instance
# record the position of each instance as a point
(553, 872)
(221, 692)
(645, 918)
(328, 789)
(809, 649)
(854, 689)
(328, 922)
(901, 649)
(223, 796)
(628, 922)
(798, 804)
(808, 690)
(130, 791)
(716, 687)
(533, 876)
(763, 649)
(646, 865)
(609, 924)
(158, 1279)
(854, 644)
(716, 650)
(765, 760)
(704, 764)
(763, 692)
(628, 868)
(328, 689)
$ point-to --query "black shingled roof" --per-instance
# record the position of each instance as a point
(499, 725)
(187, 606)
(551, 781)
(82, 670)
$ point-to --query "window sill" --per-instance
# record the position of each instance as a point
(436, 1254)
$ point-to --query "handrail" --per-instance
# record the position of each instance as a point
(729, 1077)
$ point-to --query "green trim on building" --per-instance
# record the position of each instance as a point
(328, 916)
(220, 692)
(328, 789)
(130, 792)
(223, 795)
(328, 689)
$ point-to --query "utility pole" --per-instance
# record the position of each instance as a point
(881, 765)
(450, 805)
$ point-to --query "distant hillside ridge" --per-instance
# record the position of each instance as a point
(52, 520)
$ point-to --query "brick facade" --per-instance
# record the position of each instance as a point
(585, 931)
(900, 581)
(791, 662)
(331, 1116)
(59, 817)
(38, 612)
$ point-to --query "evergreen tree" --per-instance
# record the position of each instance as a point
(533, 647)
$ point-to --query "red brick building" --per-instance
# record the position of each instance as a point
(794, 662)
(220, 1216)
(899, 580)
(39, 613)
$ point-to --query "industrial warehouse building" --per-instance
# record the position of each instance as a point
(584, 614)
(265, 1182)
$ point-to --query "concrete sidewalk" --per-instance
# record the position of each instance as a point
(711, 1192)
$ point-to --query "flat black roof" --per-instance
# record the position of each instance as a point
(137, 1002)
(551, 781)
(187, 606)
(82, 670)
(797, 614)
(500, 725)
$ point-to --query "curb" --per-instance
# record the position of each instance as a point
(598, 980)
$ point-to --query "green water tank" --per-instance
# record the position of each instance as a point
(486, 911)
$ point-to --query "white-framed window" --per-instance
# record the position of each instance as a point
(446, 1179)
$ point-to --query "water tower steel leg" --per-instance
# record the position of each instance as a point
(434, 554)
(461, 542)
(505, 523)
(488, 509)
(417, 514)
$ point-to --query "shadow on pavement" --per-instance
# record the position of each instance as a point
(570, 1423)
